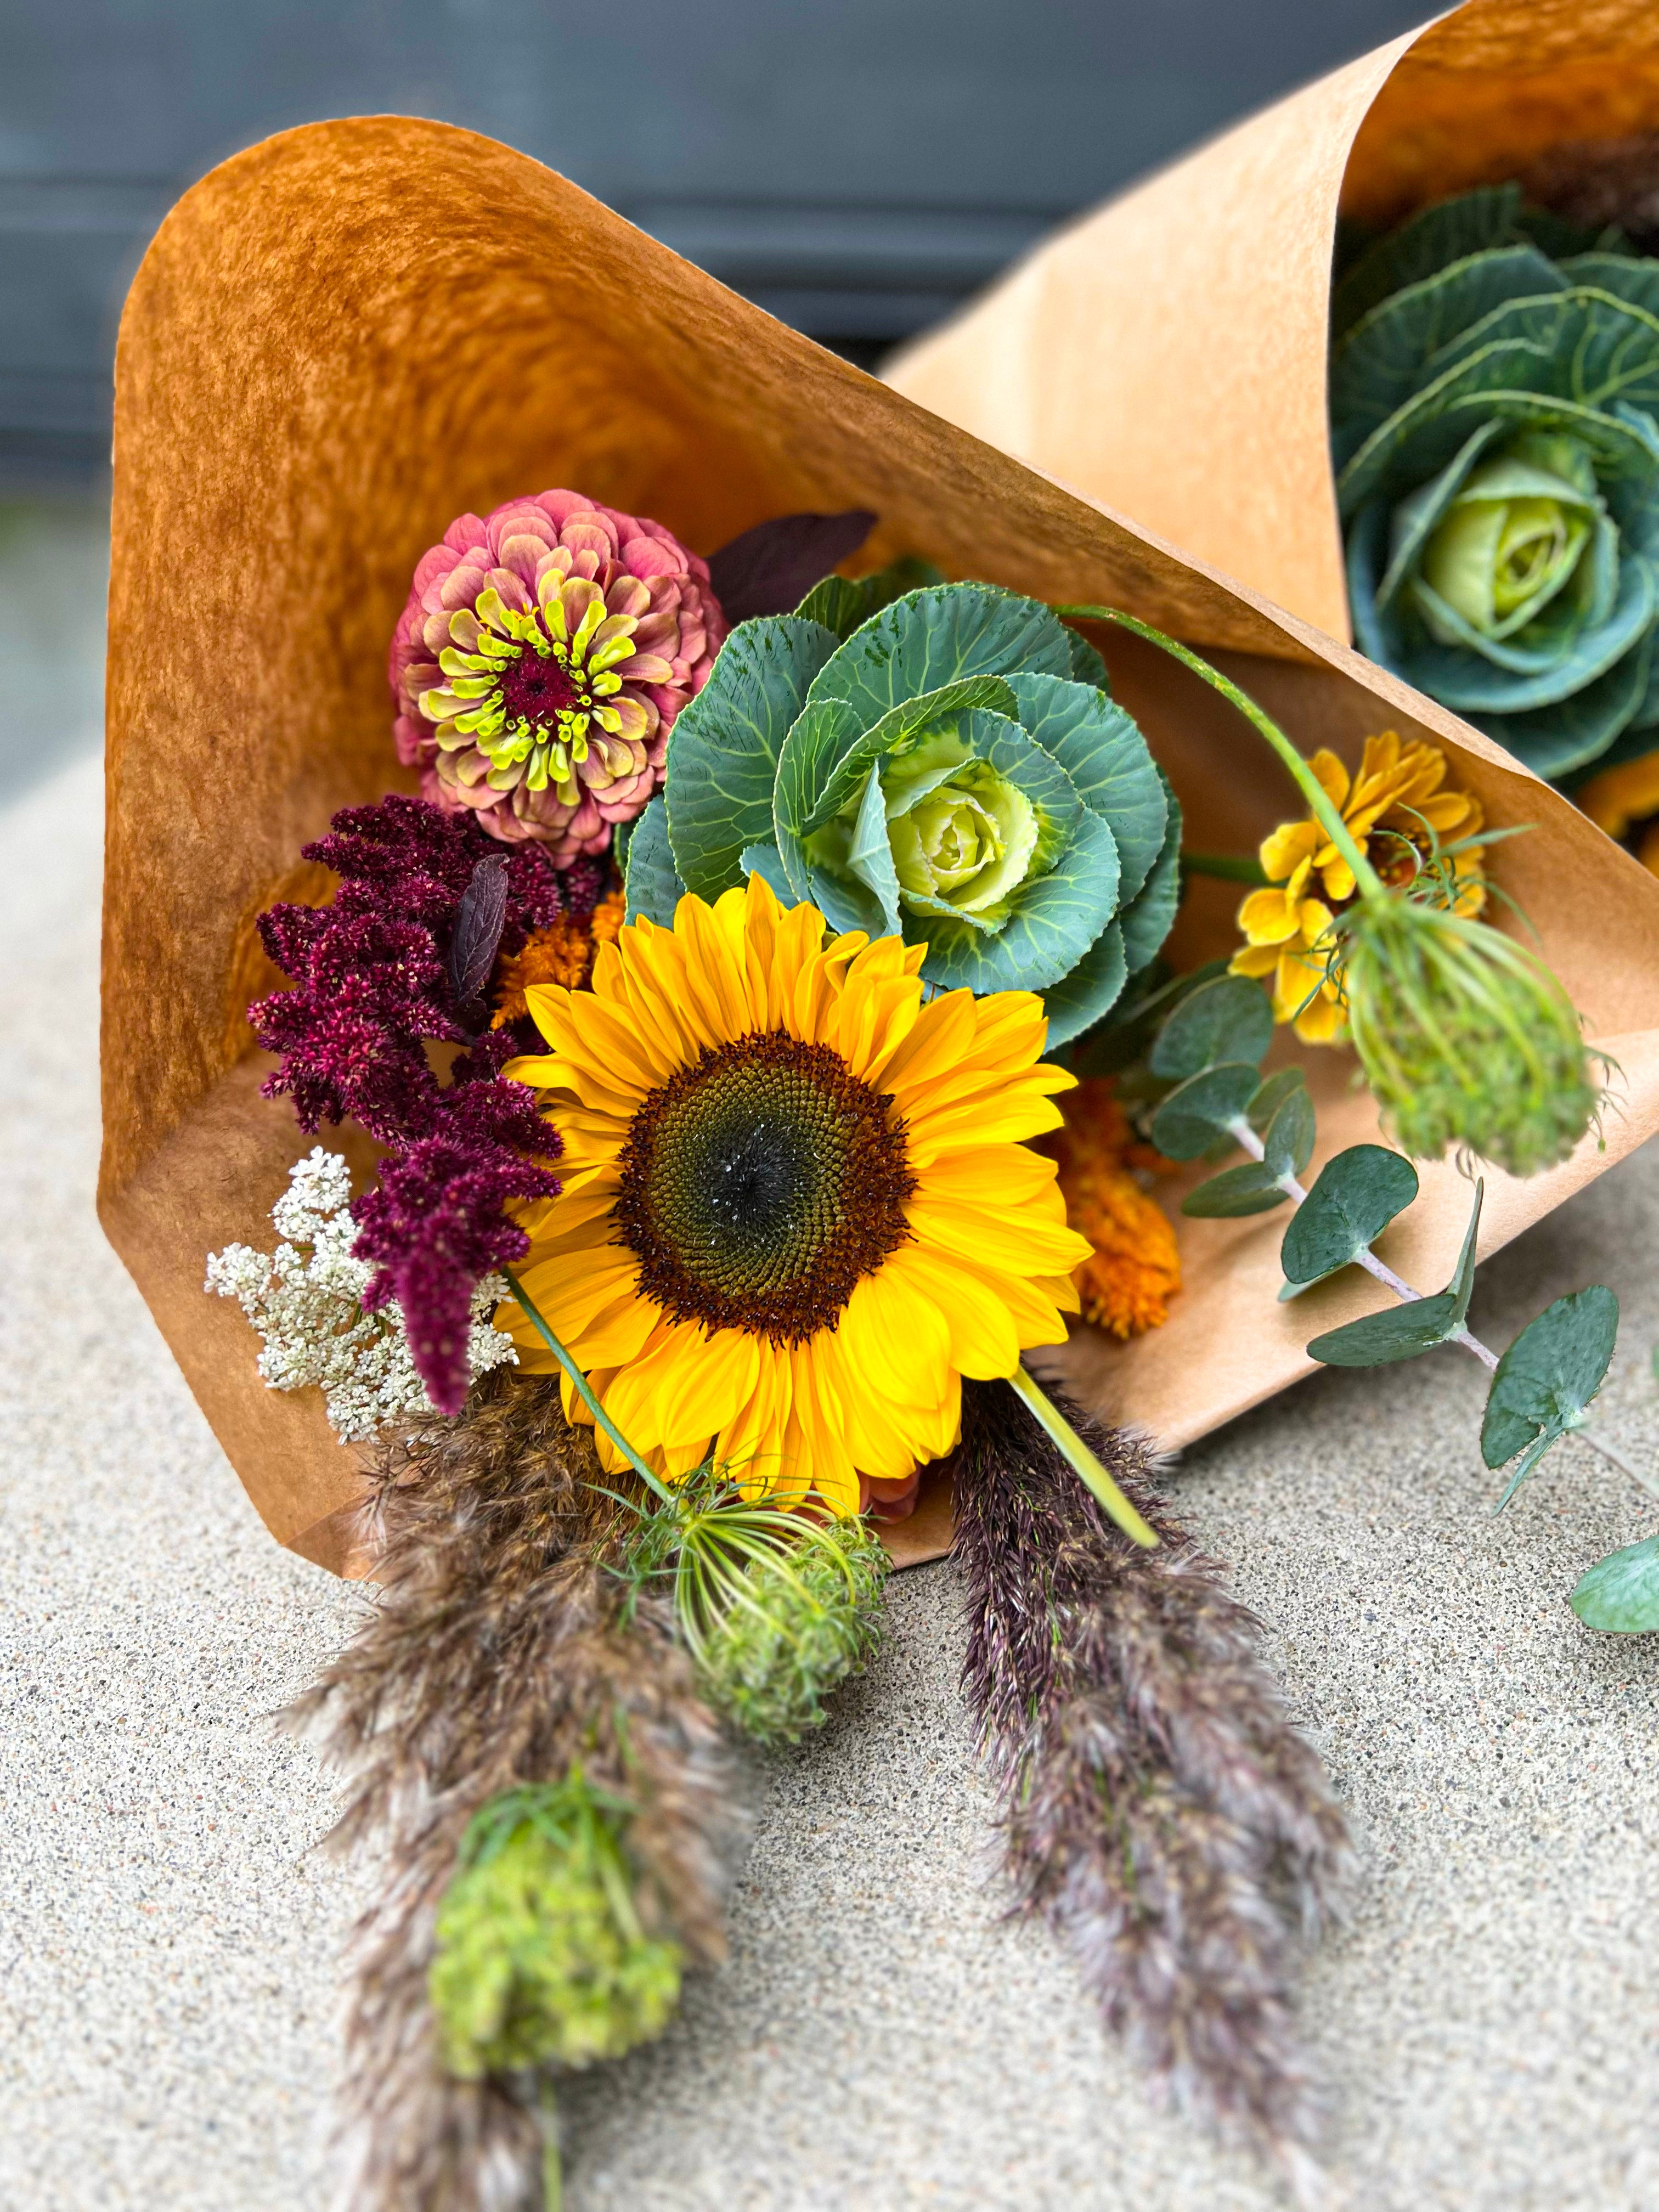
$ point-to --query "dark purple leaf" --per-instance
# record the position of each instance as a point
(478, 931)
(770, 568)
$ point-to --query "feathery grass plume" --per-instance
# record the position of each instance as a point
(499, 1656)
(1465, 1038)
(1158, 1808)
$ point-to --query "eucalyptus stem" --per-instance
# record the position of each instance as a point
(1083, 1462)
(583, 1389)
(1368, 882)
(1249, 1142)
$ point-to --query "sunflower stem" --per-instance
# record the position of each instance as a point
(1369, 883)
(1083, 1462)
(583, 1389)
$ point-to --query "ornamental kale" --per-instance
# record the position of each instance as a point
(946, 765)
(1495, 427)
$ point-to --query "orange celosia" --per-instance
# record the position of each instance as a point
(562, 953)
(1624, 802)
(1134, 1269)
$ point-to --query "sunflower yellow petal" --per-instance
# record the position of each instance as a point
(713, 1382)
(934, 1043)
(750, 1445)
(893, 1346)
(1021, 1109)
(570, 1287)
(1020, 1240)
(984, 1342)
(1003, 1174)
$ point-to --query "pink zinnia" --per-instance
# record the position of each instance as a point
(540, 663)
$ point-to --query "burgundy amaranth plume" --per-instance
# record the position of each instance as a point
(373, 984)
(436, 1225)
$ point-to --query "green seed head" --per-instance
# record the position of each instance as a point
(1466, 1040)
(541, 1959)
(792, 1621)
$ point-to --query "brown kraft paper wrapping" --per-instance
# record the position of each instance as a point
(1167, 353)
(344, 337)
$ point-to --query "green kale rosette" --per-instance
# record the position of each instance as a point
(946, 765)
(1495, 428)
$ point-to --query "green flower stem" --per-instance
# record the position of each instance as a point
(1369, 883)
(1227, 867)
(582, 1388)
(1083, 1462)
(552, 2163)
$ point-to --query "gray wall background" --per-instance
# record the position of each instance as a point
(857, 166)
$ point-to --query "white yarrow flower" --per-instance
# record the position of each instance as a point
(306, 1301)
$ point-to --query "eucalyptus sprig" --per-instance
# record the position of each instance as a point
(1203, 1095)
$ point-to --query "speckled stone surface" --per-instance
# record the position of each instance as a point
(883, 2037)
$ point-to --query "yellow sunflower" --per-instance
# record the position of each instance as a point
(798, 1206)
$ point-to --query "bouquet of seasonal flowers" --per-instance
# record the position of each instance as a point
(751, 1034)
(752, 946)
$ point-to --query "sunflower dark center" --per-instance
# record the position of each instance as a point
(537, 690)
(760, 1185)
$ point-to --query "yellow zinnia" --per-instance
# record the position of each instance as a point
(796, 1207)
(1401, 815)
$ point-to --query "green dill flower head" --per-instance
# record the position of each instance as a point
(1466, 1039)
(541, 1959)
(792, 1616)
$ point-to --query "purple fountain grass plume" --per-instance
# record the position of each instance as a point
(503, 1646)
(1158, 1808)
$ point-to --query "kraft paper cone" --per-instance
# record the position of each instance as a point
(344, 337)
(1168, 353)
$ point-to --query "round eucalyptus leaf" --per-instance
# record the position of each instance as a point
(1289, 1143)
(1357, 1195)
(1198, 1110)
(1549, 1374)
(1230, 1019)
(1620, 1593)
(1251, 1188)
(1403, 1332)
(1272, 1096)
